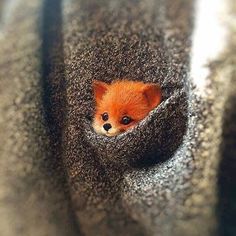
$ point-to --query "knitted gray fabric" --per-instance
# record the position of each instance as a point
(163, 177)
(33, 192)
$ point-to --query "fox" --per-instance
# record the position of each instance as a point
(120, 105)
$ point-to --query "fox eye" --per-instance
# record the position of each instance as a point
(105, 116)
(126, 120)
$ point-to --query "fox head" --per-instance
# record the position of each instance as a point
(122, 104)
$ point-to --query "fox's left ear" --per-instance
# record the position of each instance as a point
(99, 89)
(153, 94)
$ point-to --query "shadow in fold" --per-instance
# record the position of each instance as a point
(227, 173)
(54, 92)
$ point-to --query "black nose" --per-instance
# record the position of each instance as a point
(107, 126)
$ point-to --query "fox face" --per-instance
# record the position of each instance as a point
(122, 104)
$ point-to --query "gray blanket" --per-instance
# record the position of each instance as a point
(173, 174)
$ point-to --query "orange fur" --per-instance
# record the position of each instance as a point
(123, 98)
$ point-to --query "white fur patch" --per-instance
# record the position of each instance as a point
(100, 130)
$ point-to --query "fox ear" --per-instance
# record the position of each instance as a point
(99, 89)
(152, 92)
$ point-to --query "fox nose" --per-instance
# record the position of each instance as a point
(107, 126)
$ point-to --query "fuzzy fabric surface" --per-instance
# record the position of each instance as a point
(171, 175)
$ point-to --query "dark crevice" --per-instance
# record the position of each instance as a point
(54, 92)
(227, 173)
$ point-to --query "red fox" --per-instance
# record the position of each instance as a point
(122, 104)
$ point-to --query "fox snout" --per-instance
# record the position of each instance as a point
(107, 126)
